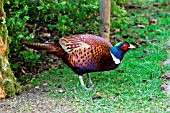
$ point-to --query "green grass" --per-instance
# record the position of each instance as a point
(137, 89)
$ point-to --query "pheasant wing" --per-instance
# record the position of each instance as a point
(73, 43)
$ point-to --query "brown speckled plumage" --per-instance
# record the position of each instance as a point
(83, 53)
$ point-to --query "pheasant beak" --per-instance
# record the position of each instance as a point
(132, 46)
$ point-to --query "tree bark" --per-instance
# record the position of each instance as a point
(8, 84)
(105, 19)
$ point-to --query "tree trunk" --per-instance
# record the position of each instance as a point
(105, 19)
(8, 84)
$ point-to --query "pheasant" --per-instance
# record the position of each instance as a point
(85, 53)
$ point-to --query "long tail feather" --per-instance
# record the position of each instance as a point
(49, 47)
(52, 47)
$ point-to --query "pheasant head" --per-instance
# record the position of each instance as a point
(117, 52)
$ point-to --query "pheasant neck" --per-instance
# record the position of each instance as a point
(116, 54)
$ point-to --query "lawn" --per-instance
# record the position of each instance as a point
(134, 86)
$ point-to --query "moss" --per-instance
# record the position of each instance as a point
(12, 87)
(0, 63)
(9, 82)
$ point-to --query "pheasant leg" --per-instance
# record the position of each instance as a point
(90, 83)
(82, 83)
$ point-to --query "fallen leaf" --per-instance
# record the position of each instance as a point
(139, 102)
(96, 96)
(163, 86)
(27, 25)
(152, 40)
(155, 4)
(140, 26)
(140, 56)
(145, 52)
(166, 75)
(46, 28)
(142, 15)
(144, 80)
(161, 67)
(59, 86)
(141, 41)
(147, 16)
(157, 11)
(132, 6)
(45, 35)
(151, 98)
(121, 70)
(88, 99)
(117, 38)
(62, 90)
(23, 71)
(152, 21)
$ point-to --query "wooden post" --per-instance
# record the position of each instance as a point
(105, 19)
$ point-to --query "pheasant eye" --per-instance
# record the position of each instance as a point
(124, 47)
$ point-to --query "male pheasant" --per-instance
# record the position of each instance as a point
(85, 53)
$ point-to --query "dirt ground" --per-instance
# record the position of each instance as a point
(167, 74)
(29, 101)
(32, 101)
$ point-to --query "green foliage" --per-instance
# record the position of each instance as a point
(80, 16)
(118, 14)
(29, 57)
(16, 24)
(65, 17)
(71, 16)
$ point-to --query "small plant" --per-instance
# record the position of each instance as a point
(29, 57)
